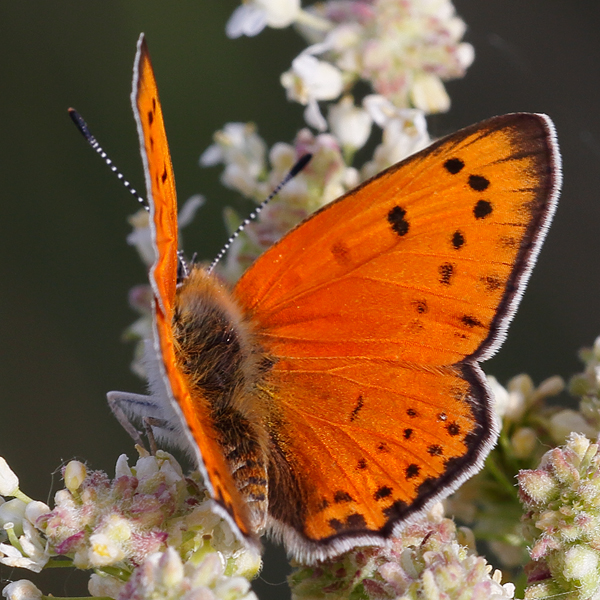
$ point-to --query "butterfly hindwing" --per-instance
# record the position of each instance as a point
(375, 311)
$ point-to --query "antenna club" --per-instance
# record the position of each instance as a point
(300, 164)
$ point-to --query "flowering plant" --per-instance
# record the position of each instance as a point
(149, 532)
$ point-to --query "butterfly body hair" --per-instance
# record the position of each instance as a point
(224, 368)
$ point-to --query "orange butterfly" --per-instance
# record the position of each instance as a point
(335, 392)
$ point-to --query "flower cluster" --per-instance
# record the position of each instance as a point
(562, 521)
(18, 517)
(431, 559)
(488, 502)
(403, 50)
(148, 529)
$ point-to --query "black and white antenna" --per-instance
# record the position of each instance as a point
(300, 164)
(93, 142)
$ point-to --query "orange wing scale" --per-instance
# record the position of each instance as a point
(375, 311)
(160, 183)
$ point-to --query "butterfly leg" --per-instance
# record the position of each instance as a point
(115, 399)
(125, 405)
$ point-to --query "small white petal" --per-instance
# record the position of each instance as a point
(380, 108)
(34, 510)
(21, 590)
(9, 482)
(212, 156)
(103, 551)
(13, 511)
(280, 13)
(122, 469)
(313, 116)
(75, 474)
(349, 123)
(466, 56)
(145, 467)
(429, 94)
(170, 568)
(104, 585)
(247, 19)
(188, 211)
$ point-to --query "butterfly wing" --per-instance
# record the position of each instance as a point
(376, 310)
(162, 199)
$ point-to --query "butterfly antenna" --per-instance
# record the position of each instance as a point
(93, 142)
(300, 164)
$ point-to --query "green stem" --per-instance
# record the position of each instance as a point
(310, 20)
(501, 478)
(21, 496)
(121, 574)
(55, 563)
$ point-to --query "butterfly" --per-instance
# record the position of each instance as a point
(335, 392)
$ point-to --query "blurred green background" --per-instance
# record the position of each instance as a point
(65, 266)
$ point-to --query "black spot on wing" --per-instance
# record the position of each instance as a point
(471, 321)
(458, 240)
(421, 306)
(383, 492)
(396, 218)
(395, 510)
(478, 183)
(356, 521)
(412, 471)
(446, 272)
(491, 283)
(482, 209)
(341, 496)
(454, 165)
(435, 450)
(453, 428)
(356, 409)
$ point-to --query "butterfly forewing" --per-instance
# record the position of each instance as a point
(374, 312)
(160, 183)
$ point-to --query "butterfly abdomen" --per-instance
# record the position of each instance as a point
(216, 353)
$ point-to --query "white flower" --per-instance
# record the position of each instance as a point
(122, 468)
(310, 80)
(164, 575)
(429, 94)
(254, 15)
(35, 509)
(404, 133)
(12, 557)
(140, 237)
(34, 547)
(566, 421)
(242, 151)
(21, 590)
(349, 123)
(74, 475)
(104, 551)
(13, 512)
(101, 584)
(188, 211)
(501, 396)
(9, 482)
